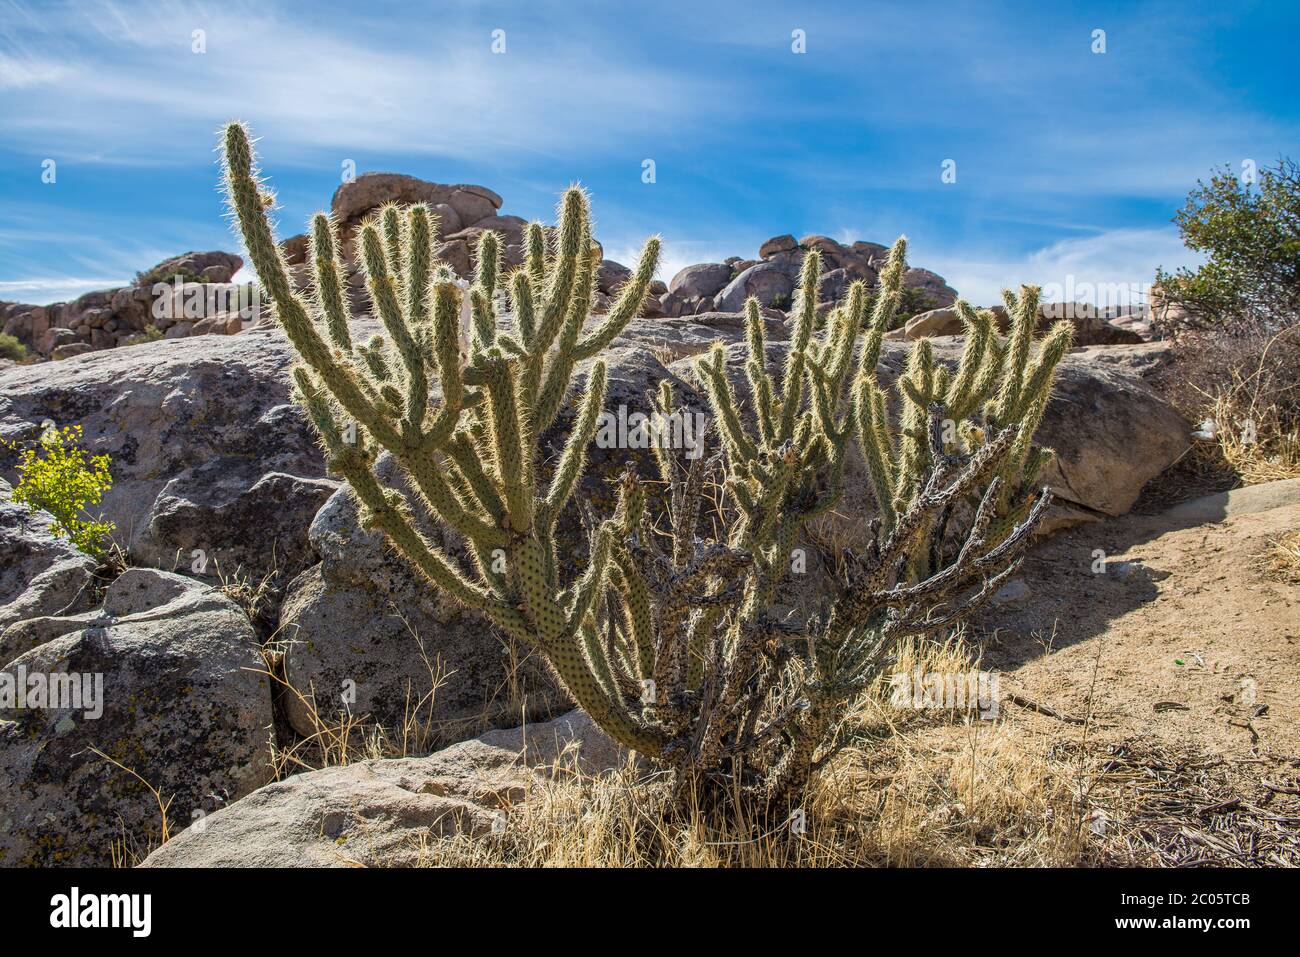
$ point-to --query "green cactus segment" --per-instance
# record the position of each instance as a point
(668, 636)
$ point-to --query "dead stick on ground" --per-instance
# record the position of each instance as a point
(1043, 709)
(1279, 788)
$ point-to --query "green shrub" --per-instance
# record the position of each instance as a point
(1251, 280)
(148, 334)
(158, 274)
(62, 478)
(11, 348)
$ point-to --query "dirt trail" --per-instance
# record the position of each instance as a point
(1185, 636)
(1179, 643)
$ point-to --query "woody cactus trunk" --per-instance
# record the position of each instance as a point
(667, 639)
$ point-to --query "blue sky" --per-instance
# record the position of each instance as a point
(1069, 163)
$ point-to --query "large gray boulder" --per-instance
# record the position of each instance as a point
(1112, 431)
(382, 813)
(767, 281)
(701, 281)
(611, 275)
(170, 670)
(260, 521)
(1090, 328)
(192, 427)
(678, 338)
(40, 573)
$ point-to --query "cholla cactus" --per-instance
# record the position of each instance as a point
(666, 639)
(774, 693)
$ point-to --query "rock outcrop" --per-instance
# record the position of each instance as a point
(463, 211)
(200, 299)
(165, 680)
(774, 277)
(193, 429)
(381, 813)
(40, 573)
(1090, 327)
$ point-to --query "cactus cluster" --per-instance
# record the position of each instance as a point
(667, 638)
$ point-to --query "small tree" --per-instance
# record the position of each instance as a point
(1252, 239)
(62, 478)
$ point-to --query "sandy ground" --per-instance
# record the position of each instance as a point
(1161, 628)
(1180, 646)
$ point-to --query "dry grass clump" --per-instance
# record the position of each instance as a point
(989, 795)
(345, 737)
(1281, 560)
(259, 598)
(1244, 394)
(127, 849)
(341, 736)
(918, 788)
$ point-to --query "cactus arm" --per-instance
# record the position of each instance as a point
(442, 501)
(849, 321)
(331, 296)
(249, 204)
(391, 222)
(521, 297)
(634, 597)
(760, 383)
(383, 293)
(560, 371)
(489, 262)
(960, 396)
(535, 255)
(462, 452)
(484, 320)
(573, 244)
(1039, 381)
(601, 667)
(419, 263)
(915, 387)
(506, 427)
(792, 383)
(592, 583)
(877, 450)
(628, 306)
(573, 460)
(723, 400)
(1024, 310)
(387, 509)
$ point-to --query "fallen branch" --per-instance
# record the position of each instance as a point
(1043, 709)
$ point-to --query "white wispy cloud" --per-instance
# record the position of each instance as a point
(677, 254)
(121, 81)
(1087, 268)
(19, 73)
(55, 289)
